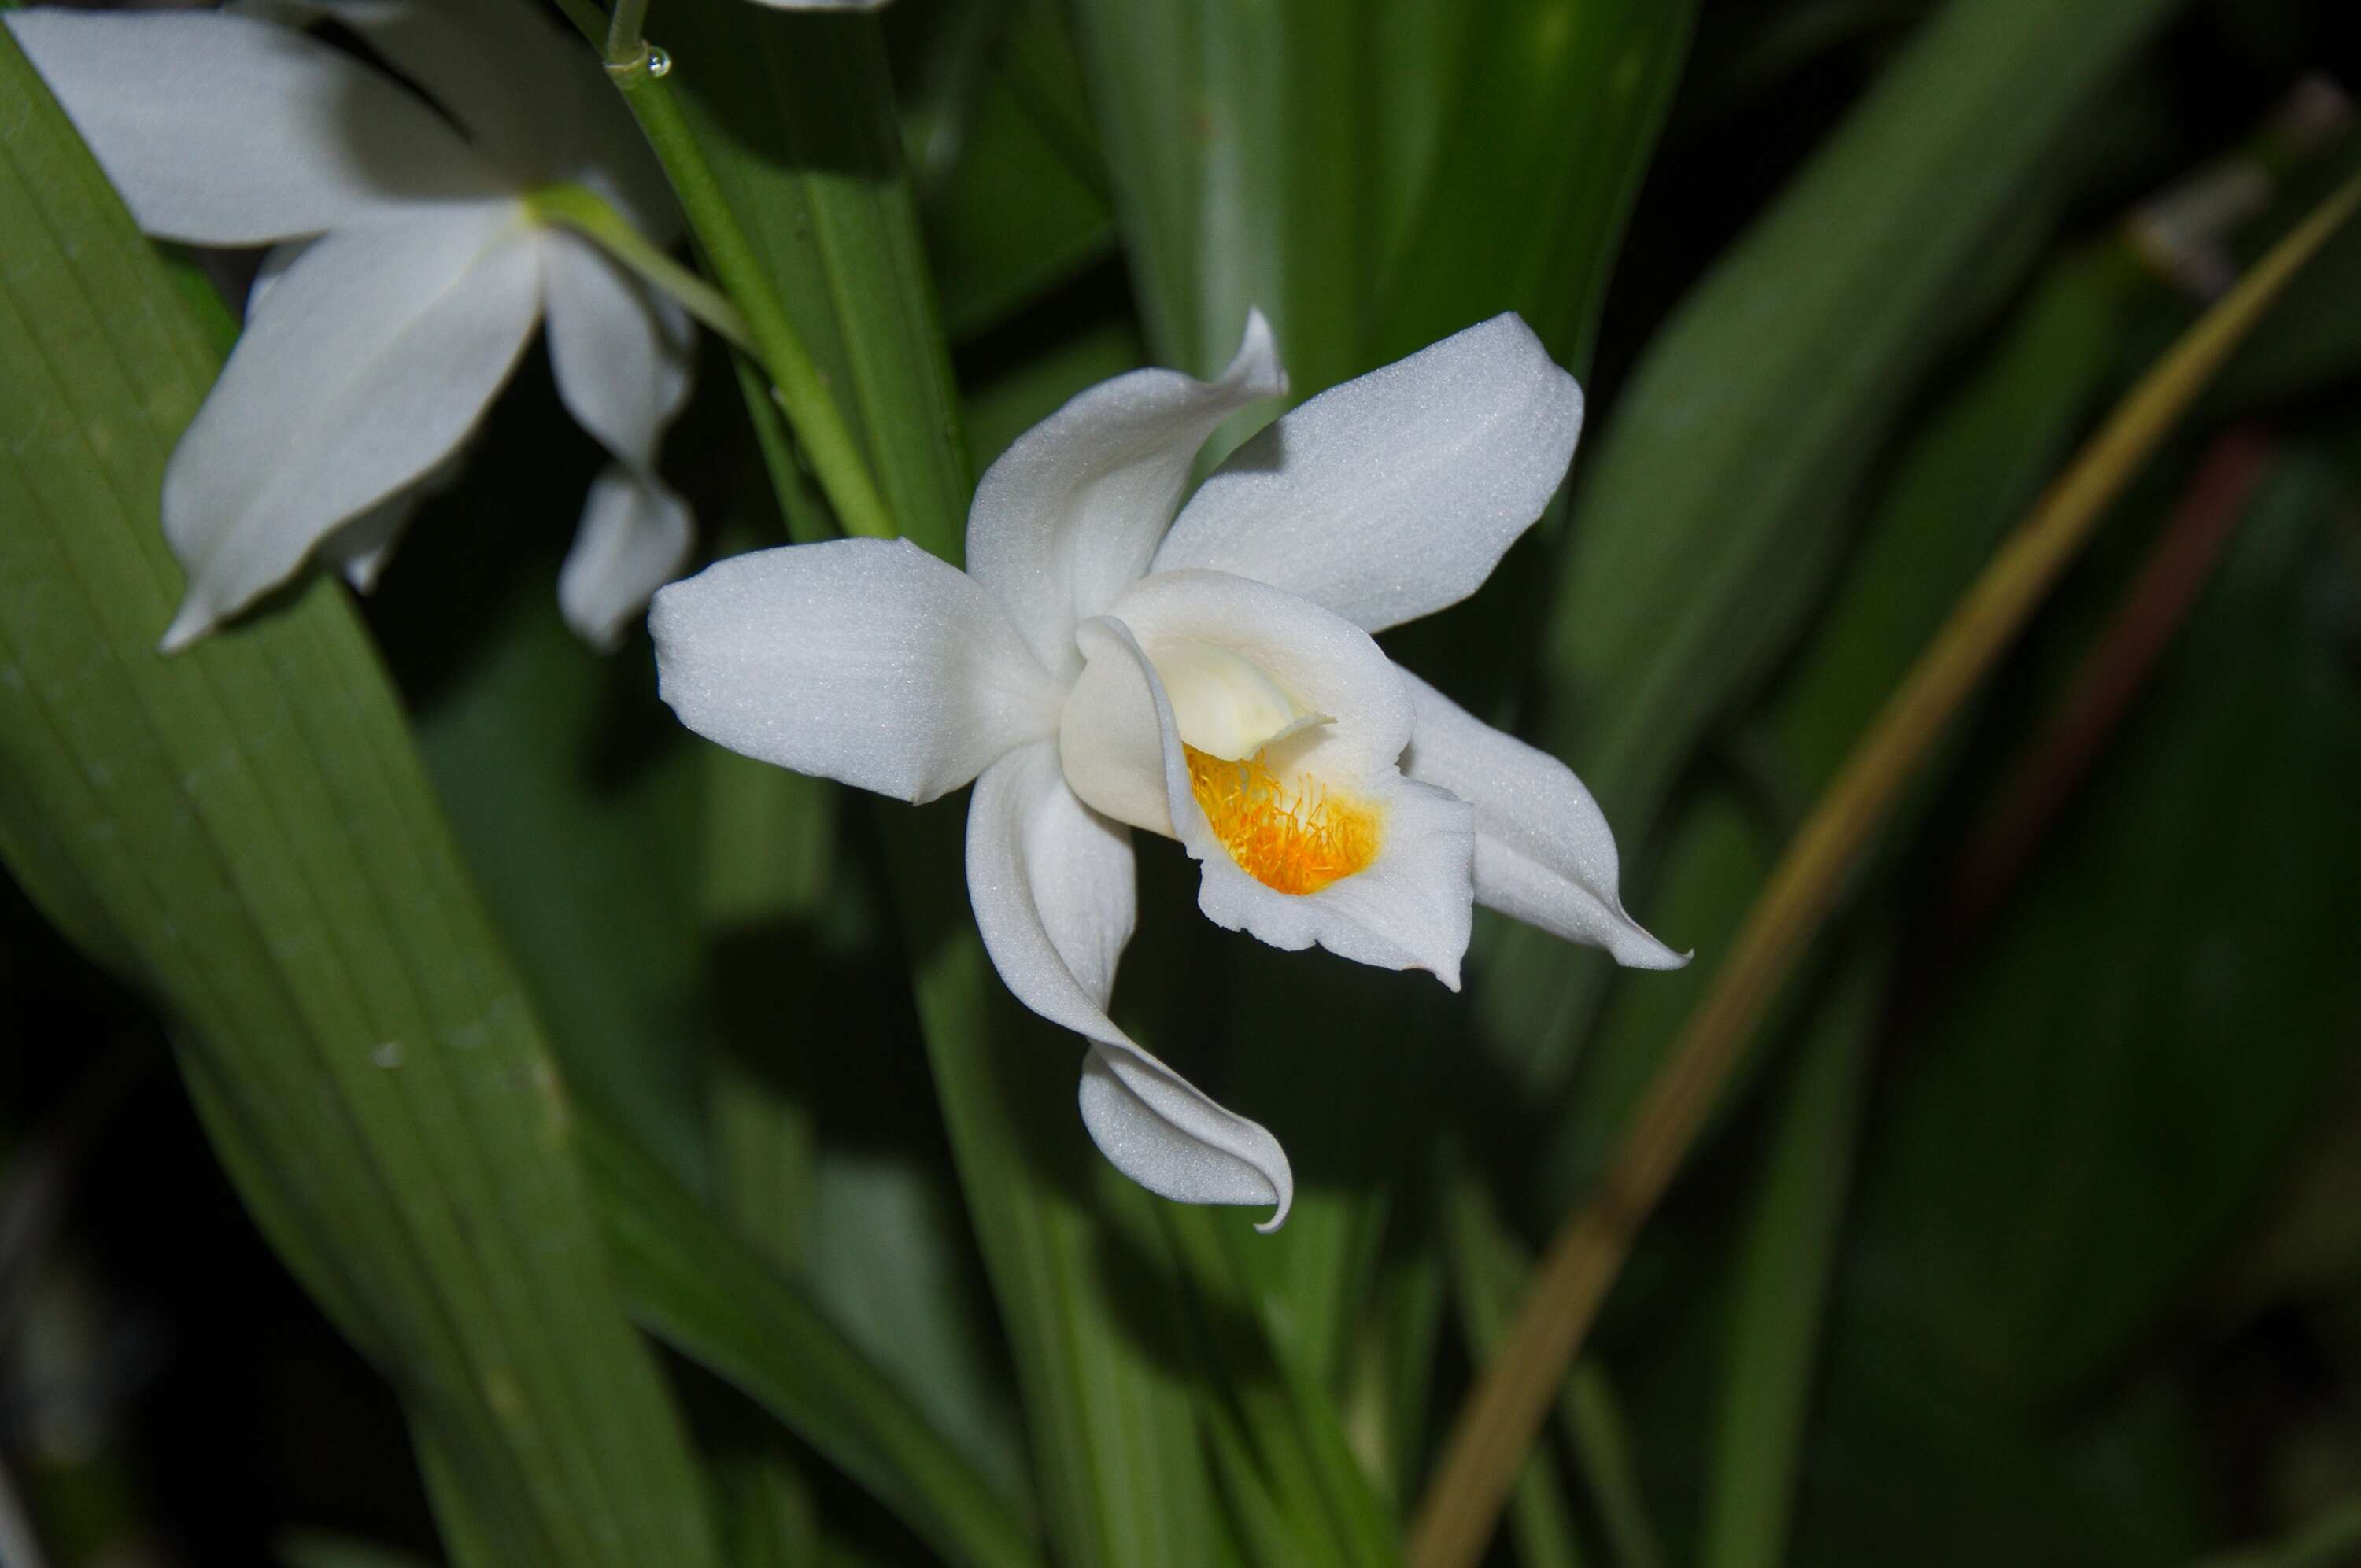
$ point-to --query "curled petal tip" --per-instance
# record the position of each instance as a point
(1257, 360)
(635, 534)
(1636, 947)
(195, 618)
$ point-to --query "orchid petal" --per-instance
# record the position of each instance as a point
(634, 535)
(1070, 515)
(533, 98)
(1544, 853)
(620, 355)
(1410, 908)
(1394, 495)
(275, 263)
(862, 660)
(359, 548)
(494, 66)
(1053, 889)
(376, 356)
(226, 130)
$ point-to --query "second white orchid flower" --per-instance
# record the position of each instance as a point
(1104, 664)
(410, 269)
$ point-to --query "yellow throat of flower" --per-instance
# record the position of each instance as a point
(1295, 838)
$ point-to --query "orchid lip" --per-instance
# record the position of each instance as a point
(1289, 731)
(1290, 833)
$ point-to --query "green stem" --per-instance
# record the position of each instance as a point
(828, 441)
(583, 209)
(624, 44)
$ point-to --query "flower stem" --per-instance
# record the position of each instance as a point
(624, 44)
(801, 392)
(589, 215)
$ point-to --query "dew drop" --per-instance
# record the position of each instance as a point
(659, 62)
(388, 1055)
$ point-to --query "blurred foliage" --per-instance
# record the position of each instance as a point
(2030, 1234)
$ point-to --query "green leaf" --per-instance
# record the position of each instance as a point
(244, 833)
(1900, 1473)
(1350, 1096)
(2312, 340)
(1280, 1409)
(1713, 505)
(1084, 1282)
(2155, 1024)
(611, 902)
(1270, 1538)
(1596, 1423)
(585, 864)
(308, 1549)
(1956, 483)
(891, 1256)
(1025, 205)
(1197, 122)
(1785, 1268)
(1486, 1275)
(768, 1511)
(1490, 1269)
(2327, 1542)
(1753, 52)
(2309, 1241)
(867, 1220)
(691, 1283)
(1558, 104)
(1390, 1352)
(1716, 856)
(1373, 176)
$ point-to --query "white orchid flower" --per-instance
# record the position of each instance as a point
(1103, 665)
(410, 269)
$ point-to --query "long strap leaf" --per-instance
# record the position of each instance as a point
(689, 1281)
(244, 833)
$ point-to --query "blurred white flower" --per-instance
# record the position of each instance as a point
(409, 272)
(1103, 665)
